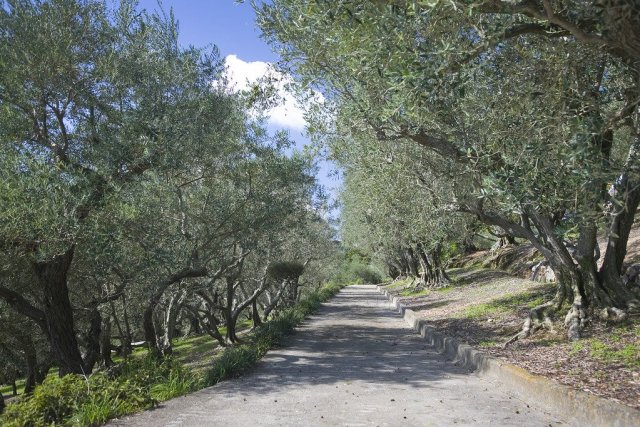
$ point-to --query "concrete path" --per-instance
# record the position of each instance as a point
(354, 363)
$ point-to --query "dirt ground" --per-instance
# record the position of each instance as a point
(484, 308)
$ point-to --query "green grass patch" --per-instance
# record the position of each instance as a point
(503, 305)
(627, 355)
(576, 348)
(7, 390)
(399, 284)
(188, 349)
(414, 292)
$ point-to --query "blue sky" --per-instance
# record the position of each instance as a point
(231, 26)
(226, 23)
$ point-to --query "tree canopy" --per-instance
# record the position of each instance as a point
(139, 192)
(532, 106)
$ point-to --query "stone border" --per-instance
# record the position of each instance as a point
(578, 407)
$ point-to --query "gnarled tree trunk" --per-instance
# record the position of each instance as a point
(52, 277)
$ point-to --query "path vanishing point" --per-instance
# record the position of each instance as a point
(354, 363)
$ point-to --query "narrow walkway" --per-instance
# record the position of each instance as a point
(355, 362)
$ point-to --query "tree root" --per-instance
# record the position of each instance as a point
(612, 313)
(538, 318)
(575, 320)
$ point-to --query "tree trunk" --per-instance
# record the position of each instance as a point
(52, 278)
(147, 316)
(169, 322)
(194, 326)
(92, 339)
(128, 337)
(105, 342)
(393, 270)
(255, 314)
(149, 329)
(212, 328)
(412, 262)
(628, 191)
(31, 362)
(2, 404)
(441, 277)
(228, 311)
(273, 302)
(125, 338)
(295, 290)
(426, 278)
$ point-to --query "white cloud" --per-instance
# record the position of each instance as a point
(243, 74)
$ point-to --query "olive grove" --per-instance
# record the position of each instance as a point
(529, 112)
(139, 196)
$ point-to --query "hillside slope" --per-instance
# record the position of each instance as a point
(484, 307)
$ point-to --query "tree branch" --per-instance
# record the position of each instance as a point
(23, 306)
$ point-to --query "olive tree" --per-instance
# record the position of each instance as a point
(535, 104)
(93, 103)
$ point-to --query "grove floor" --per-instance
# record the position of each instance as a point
(484, 308)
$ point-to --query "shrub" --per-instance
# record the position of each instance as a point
(234, 362)
(139, 383)
(51, 403)
(110, 398)
(356, 271)
(136, 384)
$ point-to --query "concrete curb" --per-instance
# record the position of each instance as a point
(578, 407)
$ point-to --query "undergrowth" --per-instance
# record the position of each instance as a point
(141, 382)
(136, 384)
(609, 350)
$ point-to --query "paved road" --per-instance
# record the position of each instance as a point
(355, 363)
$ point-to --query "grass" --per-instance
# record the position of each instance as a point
(611, 349)
(503, 305)
(399, 284)
(188, 349)
(413, 292)
(627, 355)
(7, 390)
